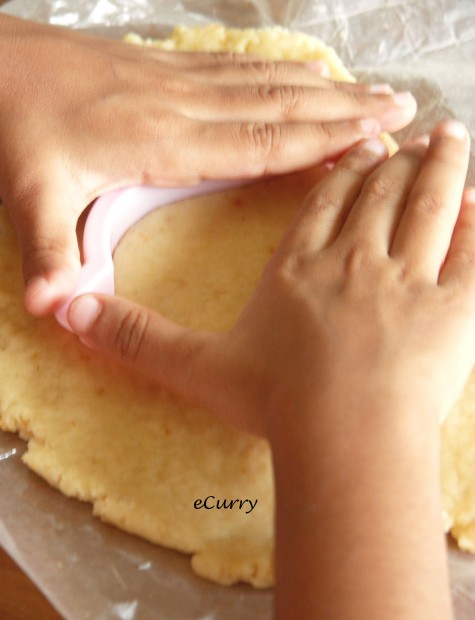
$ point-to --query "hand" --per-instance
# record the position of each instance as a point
(371, 295)
(81, 116)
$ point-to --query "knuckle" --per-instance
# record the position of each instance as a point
(262, 71)
(220, 58)
(292, 269)
(357, 260)
(262, 139)
(173, 88)
(379, 187)
(285, 99)
(404, 273)
(359, 161)
(327, 133)
(324, 203)
(130, 334)
(427, 202)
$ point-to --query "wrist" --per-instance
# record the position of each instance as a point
(363, 477)
(346, 420)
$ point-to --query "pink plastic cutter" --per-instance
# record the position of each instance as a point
(111, 216)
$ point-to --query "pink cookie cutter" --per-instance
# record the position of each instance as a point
(111, 216)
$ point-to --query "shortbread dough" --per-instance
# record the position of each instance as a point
(100, 433)
(105, 435)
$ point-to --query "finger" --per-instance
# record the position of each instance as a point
(423, 236)
(232, 68)
(378, 208)
(149, 343)
(293, 104)
(262, 72)
(199, 59)
(135, 47)
(325, 208)
(459, 266)
(252, 149)
(46, 229)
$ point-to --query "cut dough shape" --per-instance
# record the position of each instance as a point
(102, 434)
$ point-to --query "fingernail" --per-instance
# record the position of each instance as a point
(380, 89)
(454, 129)
(404, 100)
(370, 126)
(83, 313)
(375, 146)
(400, 113)
(320, 67)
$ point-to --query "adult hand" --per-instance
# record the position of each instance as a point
(373, 285)
(80, 116)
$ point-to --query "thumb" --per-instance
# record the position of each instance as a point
(174, 356)
(45, 224)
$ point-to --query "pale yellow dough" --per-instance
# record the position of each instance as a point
(275, 43)
(97, 432)
(101, 434)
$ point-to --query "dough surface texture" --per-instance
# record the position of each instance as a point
(102, 434)
(99, 433)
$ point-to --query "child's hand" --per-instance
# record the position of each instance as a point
(354, 301)
(358, 338)
(80, 116)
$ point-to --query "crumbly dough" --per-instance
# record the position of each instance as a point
(100, 433)
(276, 43)
(458, 469)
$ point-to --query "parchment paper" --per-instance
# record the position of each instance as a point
(90, 570)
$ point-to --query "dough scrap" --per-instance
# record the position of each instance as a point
(100, 433)
(275, 43)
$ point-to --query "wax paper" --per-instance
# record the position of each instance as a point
(88, 569)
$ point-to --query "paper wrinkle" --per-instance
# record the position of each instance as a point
(7, 455)
(126, 611)
(90, 570)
